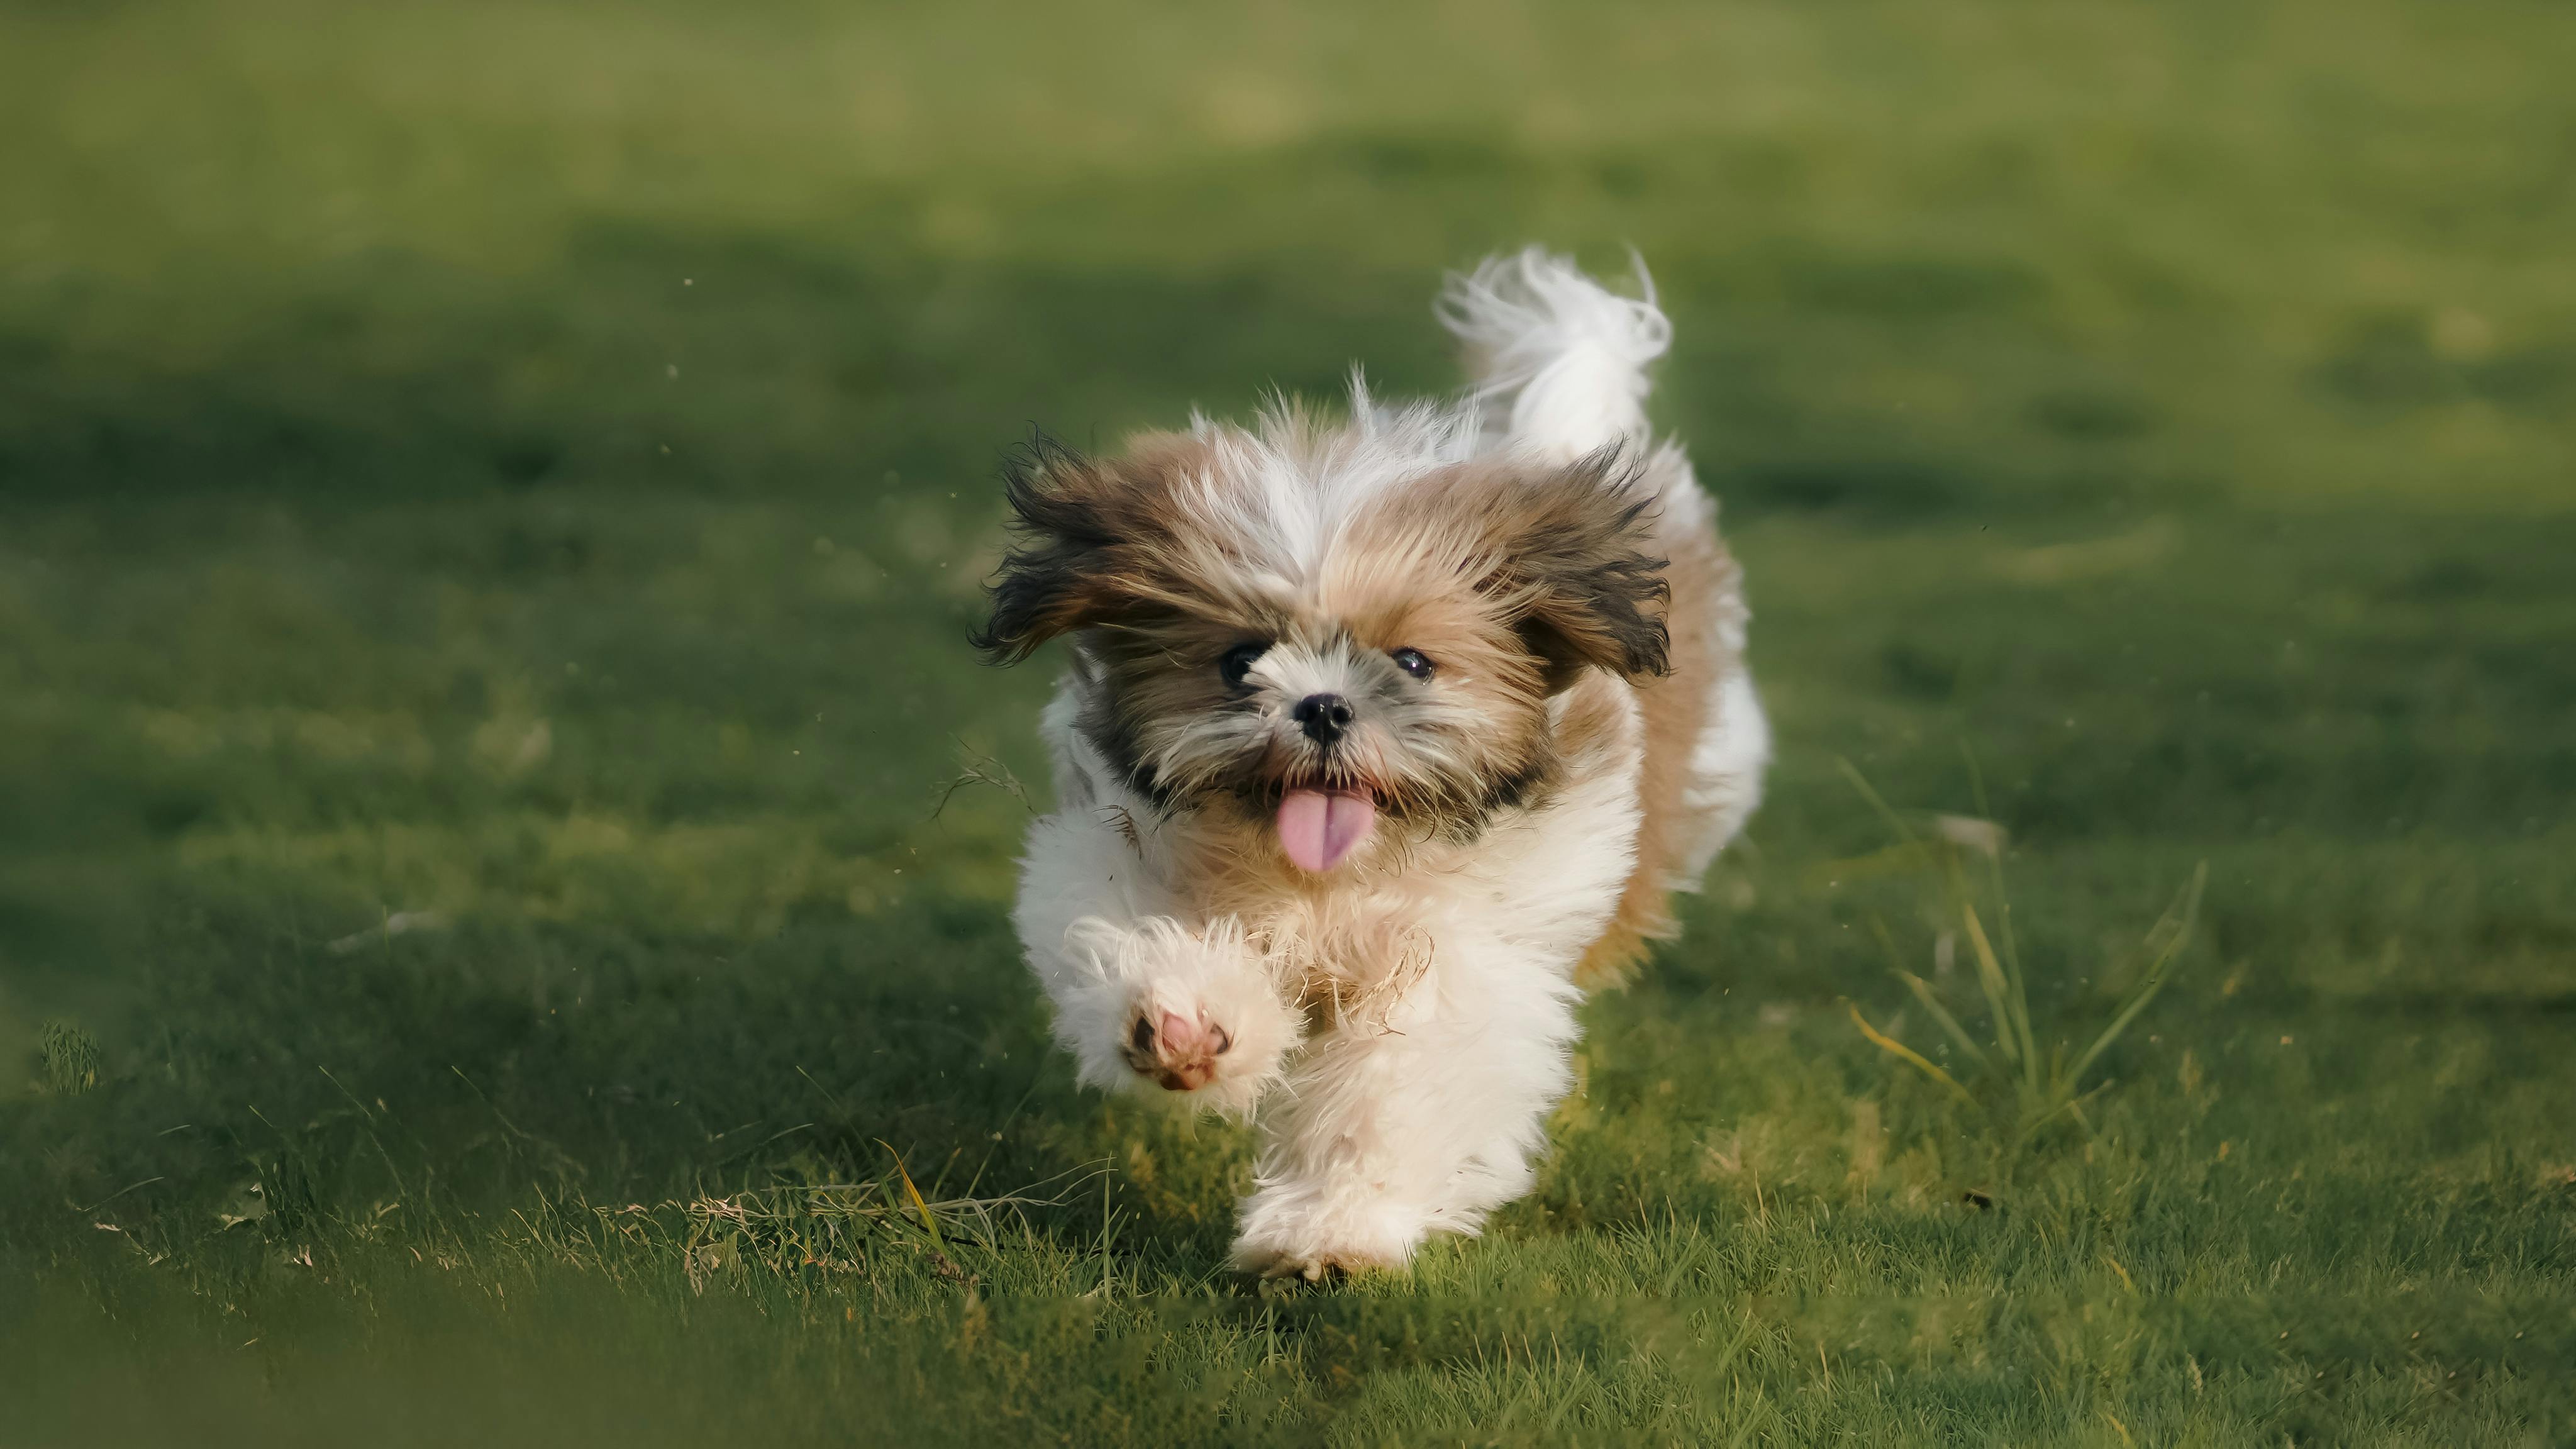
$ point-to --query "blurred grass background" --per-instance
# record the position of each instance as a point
(490, 501)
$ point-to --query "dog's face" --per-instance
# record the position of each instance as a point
(1314, 656)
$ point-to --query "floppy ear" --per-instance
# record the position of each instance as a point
(1581, 559)
(1070, 514)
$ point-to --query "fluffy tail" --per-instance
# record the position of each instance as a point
(1558, 360)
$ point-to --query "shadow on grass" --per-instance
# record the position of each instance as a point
(287, 1091)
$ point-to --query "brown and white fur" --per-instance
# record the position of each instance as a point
(1381, 738)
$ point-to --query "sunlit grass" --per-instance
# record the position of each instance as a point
(2025, 1089)
(503, 849)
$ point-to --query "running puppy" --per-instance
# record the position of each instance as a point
(1381, 738)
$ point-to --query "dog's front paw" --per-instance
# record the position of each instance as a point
(1190, 1015)
(1183, 1053)
(1213, 1048)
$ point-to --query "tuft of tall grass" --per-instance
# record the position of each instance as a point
(2020, 1087)
(70, 1059)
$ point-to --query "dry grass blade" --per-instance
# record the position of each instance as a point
(975, 768)
(2014, 977)
(1949, 1024)
(929, 1224)
(1990, 980)
(1907, 1054)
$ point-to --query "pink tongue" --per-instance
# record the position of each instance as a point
(1317, 829)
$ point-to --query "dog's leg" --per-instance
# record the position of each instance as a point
(1146, 995)
(1417, 1119)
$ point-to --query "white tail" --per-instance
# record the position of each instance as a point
(1558, 361)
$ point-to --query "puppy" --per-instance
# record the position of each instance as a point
(1380, 739)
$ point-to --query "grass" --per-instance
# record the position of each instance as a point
(2025, 1092)
(490, 502)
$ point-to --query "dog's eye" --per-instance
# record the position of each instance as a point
(1413, 662)
(1237, 662)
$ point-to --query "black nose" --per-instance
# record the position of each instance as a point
(1325, 717)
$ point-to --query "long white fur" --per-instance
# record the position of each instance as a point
(1418, 1104)
(1560, 362)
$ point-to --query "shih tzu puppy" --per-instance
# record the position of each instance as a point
(1380, 739)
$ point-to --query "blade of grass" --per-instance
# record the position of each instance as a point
(2013, 974)
(1941, 1016)
(1900, 1050)
(1990, 980)
(2003, 911)
(1976, 781)
(1895, 822)
(914, 1193)
(2034, 1125)
(2185, 913)
(1999, 976)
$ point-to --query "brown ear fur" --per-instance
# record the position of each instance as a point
(1074, 517)
(1578, 552)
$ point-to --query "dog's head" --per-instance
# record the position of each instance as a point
(1308, 629)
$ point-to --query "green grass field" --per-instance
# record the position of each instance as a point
(491, 497)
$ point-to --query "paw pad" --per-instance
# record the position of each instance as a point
(1175, 1050)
